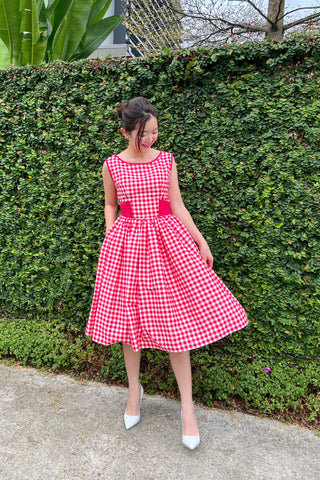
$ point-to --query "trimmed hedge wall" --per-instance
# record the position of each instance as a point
(243, 124)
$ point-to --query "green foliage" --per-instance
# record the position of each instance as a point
(34, 31)
(42, 344)
(290, 387)
(114, 368)
(243, 124)
(287, 385)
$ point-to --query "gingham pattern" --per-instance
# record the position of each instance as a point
(153, 289)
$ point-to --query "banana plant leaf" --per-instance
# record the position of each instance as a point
(99, 8)
(4, 56)
(71, 30)
(34, 41)
(97, 33)
(10, 21)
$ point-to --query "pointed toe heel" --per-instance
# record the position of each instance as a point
(132, 420)
(190, 441)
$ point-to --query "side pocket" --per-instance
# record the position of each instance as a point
(113, 226)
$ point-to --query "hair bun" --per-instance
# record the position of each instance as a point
(120, 109)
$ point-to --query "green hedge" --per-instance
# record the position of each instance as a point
(289, 389)
(243, 124)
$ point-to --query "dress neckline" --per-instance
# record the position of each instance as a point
(139, 163)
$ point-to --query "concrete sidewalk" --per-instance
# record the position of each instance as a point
(55, 428)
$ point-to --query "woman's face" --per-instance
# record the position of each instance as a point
(149, 136)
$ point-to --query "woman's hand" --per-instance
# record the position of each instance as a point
(206, 254)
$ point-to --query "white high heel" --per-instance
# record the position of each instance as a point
(132, 420)
(190, 441)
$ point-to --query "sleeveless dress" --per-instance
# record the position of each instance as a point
(153, 290)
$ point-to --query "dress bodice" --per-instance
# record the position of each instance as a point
(144, 186)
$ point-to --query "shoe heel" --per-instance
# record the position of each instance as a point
(132, 420)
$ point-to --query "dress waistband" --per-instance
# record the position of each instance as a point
(164, 209)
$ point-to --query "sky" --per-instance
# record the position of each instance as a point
(302, 3)
(292, 4)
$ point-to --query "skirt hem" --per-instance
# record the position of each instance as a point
(170, 350)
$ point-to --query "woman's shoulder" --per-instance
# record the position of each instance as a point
(109, 164)
(168, 156)
(108, 160)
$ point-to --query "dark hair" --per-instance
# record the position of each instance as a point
(138, 111)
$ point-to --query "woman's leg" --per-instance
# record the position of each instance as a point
(182, 369)
(132, 361)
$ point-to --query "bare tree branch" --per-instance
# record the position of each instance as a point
(296, 9)
(277, 19)
(245, 26)
(212, 19)
(302, 20)
(259, 11)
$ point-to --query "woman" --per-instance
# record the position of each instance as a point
(154, 287)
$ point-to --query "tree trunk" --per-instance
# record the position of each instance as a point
(275, 11)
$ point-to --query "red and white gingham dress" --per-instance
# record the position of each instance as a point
(153, 290)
